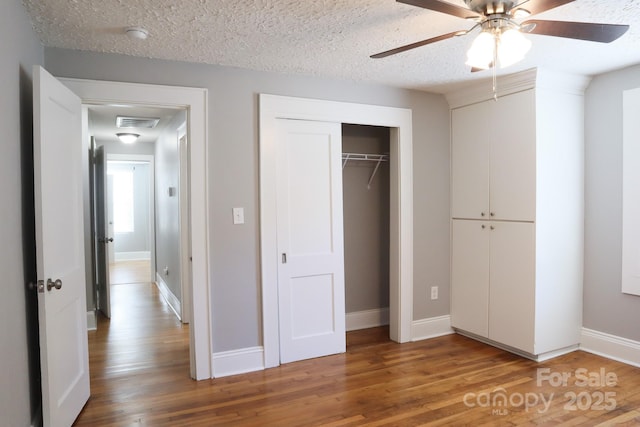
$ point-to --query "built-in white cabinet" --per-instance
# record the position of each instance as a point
(496, 260)
(493, 156)
(517, 214)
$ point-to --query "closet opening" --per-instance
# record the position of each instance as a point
(366, 216)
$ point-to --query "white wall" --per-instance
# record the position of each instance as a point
(19, 367)
(233, 173)
(606, 308)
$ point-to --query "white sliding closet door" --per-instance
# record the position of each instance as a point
(310, 240)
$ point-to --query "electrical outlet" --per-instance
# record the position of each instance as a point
(434, 292)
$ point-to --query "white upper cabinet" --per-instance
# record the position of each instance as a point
(512, 157)
(494, 159)
(470, 162)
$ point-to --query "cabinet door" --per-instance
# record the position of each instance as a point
(470, 276)
(512, 291)
(512, 170)
(470, 162)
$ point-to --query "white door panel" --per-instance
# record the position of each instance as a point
(62, 317)
(513, 158)
(310, 240)
(470, 163)
(470, 276)
(512, 296)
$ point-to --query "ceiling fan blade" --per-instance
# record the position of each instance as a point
(539, 6)
(414, 45)
(443, 7)
(603, 33)
(477, 70)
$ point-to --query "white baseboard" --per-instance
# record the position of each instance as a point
(92, 320)
(430, 328)
(610, 346)
(171, 299)
(236, 362)
(367, 319)
(132, 256)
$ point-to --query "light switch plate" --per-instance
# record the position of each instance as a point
(238, 215)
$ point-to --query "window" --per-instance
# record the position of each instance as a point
(631, 193)
(122, 200)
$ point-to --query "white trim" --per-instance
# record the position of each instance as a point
(236, 362)
(195, 100)
(132, 256)
(432, 327)
(517, 82)
(535, 357)
(92, 320)
(169, 296)
(185, 229)
(630, 192)
(274, 107)
(129, 157)
(367, 319)
(610, 346)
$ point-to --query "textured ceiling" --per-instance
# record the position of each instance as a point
(330, 38)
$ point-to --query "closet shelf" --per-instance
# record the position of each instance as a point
(365, 157)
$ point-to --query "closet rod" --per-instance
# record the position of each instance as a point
(367, 157)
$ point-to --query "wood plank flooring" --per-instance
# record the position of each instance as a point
(123, 272)
(140, 376)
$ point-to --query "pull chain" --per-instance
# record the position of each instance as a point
(495, 66)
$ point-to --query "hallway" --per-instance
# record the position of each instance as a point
(142, 351)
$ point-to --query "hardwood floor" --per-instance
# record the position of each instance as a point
(123, 272)
(140, 376)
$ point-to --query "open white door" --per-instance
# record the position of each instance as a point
(64, 355)
(103, 233)
(310, 240)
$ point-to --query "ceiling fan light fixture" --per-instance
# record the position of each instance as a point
(136, 33)
(128, 138)
(480, 54)
(512, 47)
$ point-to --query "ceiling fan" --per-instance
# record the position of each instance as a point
(500, 40)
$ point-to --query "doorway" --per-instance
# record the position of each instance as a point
(137, 199)
(274, 108)
(194, 101)
(366, 205)
(131, 219)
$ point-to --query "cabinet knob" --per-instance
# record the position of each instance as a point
(483, 226)
(492, 214)
(492, 227)
(481, 213)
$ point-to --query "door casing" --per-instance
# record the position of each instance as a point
(194, 100)
(273, 107)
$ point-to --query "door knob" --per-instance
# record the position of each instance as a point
(51, 284)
